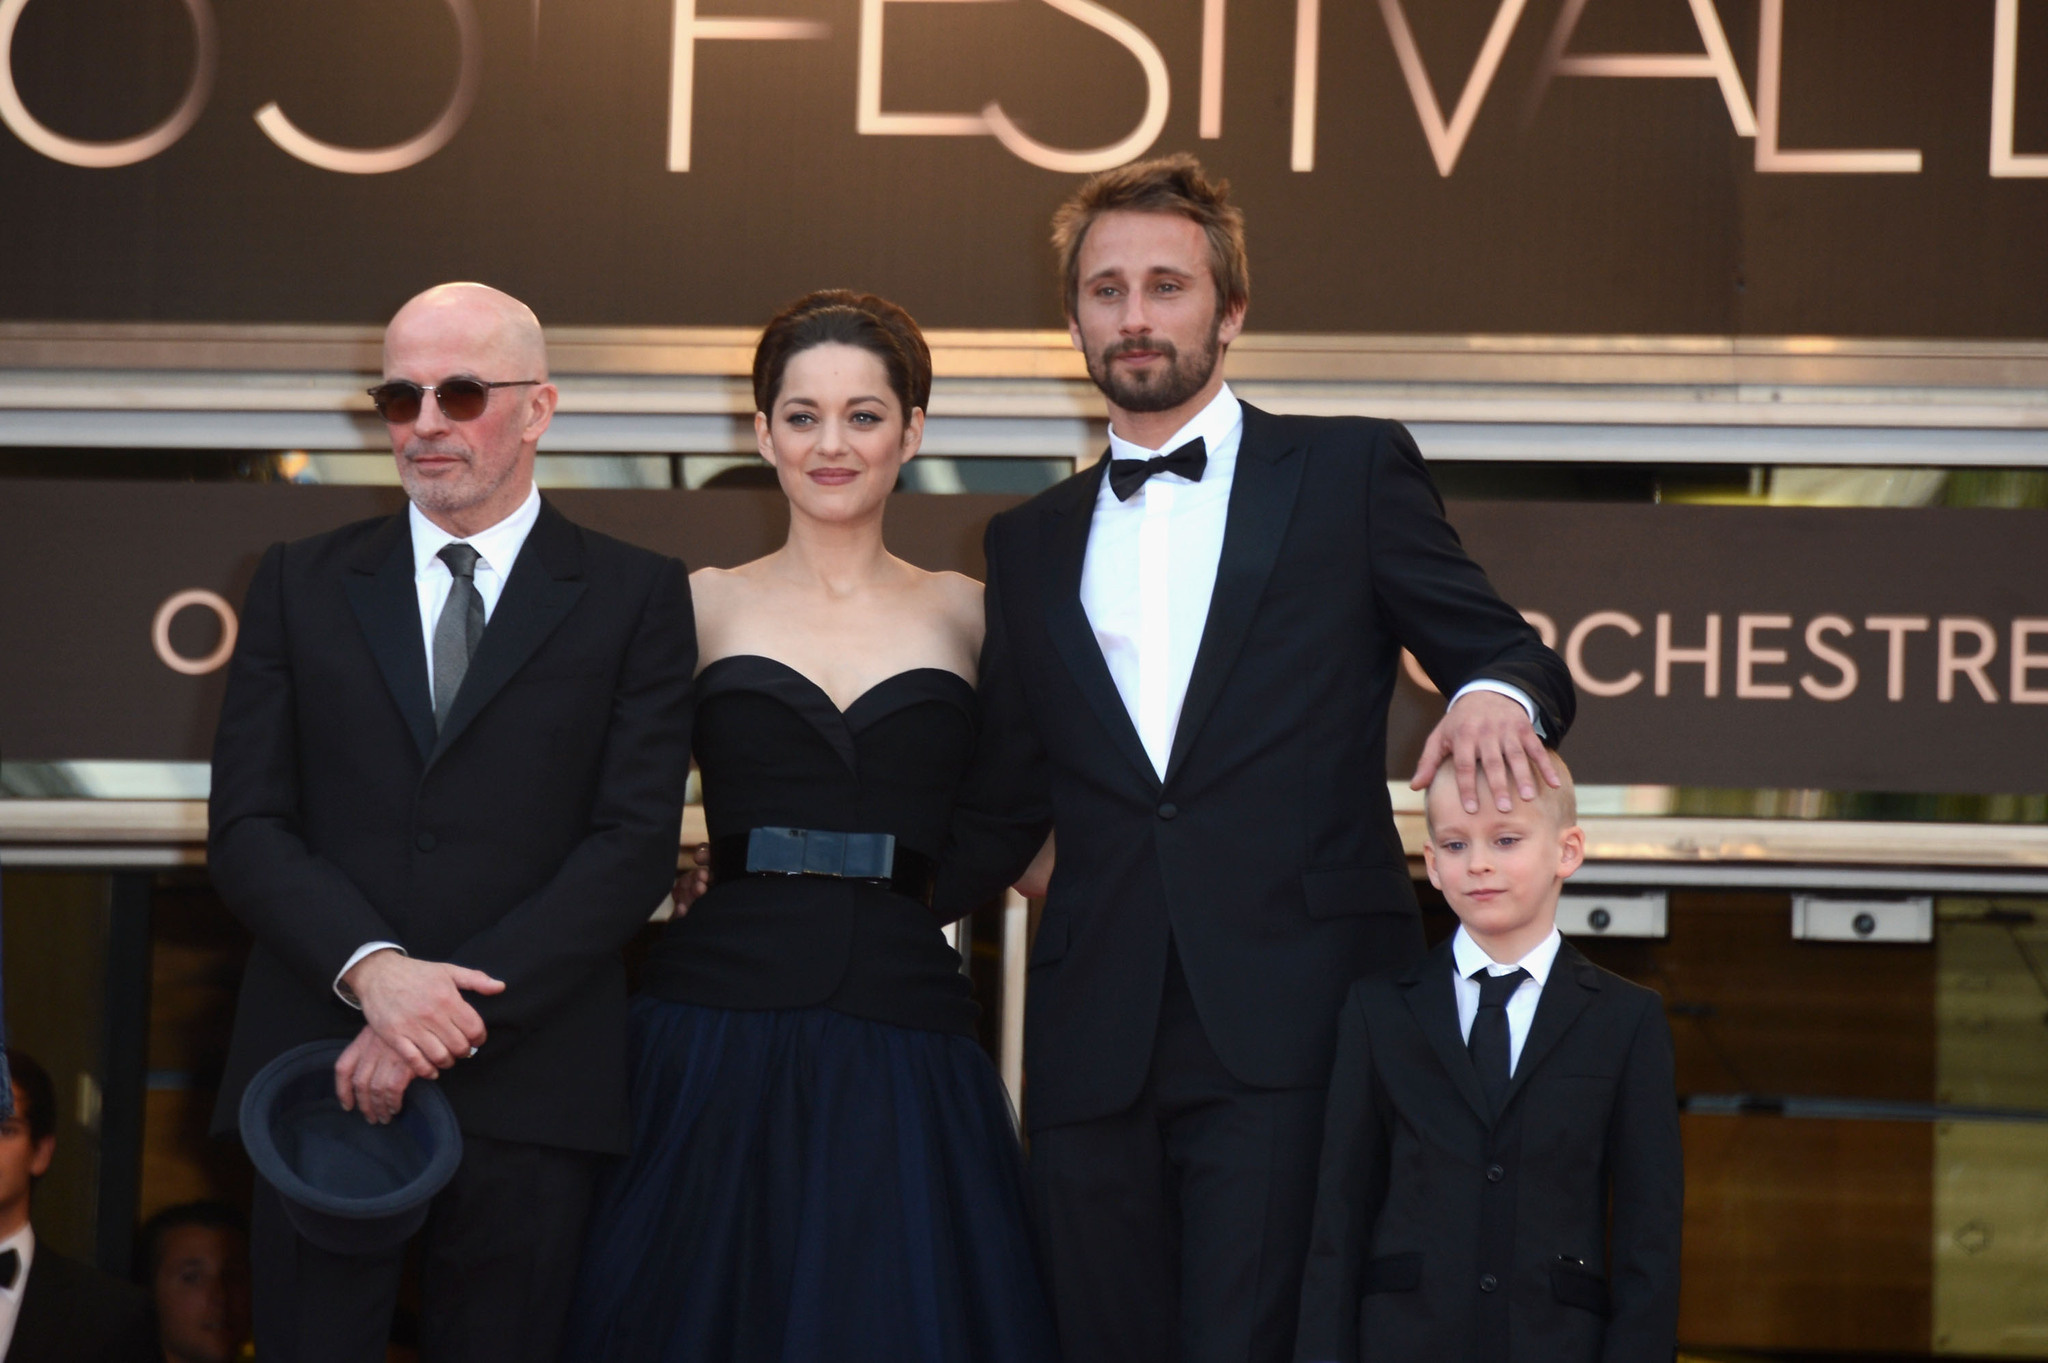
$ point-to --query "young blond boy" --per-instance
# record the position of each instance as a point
(1501, 1176)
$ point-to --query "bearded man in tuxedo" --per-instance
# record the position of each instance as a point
(1191, 648)
(447, 786)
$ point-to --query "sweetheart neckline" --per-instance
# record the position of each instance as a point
(807, 679)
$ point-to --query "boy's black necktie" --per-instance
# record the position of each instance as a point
(1488, 1043)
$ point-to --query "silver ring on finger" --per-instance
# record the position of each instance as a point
(471, 1055)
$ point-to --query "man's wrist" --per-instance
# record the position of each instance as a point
(1512, 692)
(342, 989)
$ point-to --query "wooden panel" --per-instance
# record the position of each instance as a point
(1807, 1234)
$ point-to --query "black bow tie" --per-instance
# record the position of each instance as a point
(10, 1267)
(1126, 476)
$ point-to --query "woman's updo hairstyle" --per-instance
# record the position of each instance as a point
(843, 317)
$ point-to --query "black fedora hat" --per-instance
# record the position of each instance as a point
(348, 1185)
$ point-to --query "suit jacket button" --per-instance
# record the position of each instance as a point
(1168, 810)
(1494, 1173)
(1487, 1282)
(425, 842)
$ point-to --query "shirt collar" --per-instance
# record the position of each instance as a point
(1468, 956)
(1217, 424)
(22, 1242)
(497, 546)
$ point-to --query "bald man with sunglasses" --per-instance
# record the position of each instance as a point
(447, 787)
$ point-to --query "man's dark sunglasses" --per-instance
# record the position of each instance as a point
(398, 400)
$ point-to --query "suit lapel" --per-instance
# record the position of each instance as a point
(1435, 1005)
(1571, 986)
(1261, 503)
(1067, 524)
(545, 584)
(382, 592)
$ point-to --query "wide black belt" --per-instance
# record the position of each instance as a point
(873, 858)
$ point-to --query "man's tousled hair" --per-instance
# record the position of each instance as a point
(1165, 184)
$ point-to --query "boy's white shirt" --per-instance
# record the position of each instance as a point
(1467, 956)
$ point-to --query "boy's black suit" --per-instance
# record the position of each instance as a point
(1443, 1235)
(72, 1313)
(529, 838)
(1265, 864)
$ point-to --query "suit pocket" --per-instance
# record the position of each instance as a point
(1344, 891)
(1393, 1273)
(1051, 942)
(1576, 1285)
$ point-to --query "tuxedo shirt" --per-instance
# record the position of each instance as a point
(1150, 571)
(22, 1242)
(497, 549)
(1468, 958)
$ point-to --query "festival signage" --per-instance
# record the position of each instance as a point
(1726, 167)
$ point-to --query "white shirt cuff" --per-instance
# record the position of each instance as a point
(347, 995)
(1499, 688)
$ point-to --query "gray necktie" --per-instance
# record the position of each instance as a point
(458, 631)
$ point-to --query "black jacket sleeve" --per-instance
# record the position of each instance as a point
(297, 903)
(611, 883)
(1438, 601)
(1004, 809)
(1351, 1187)
(1647, 1192)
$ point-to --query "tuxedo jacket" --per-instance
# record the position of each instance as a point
(1548, 1232)
(529, 838)
(1267, 855)
(71, 1313)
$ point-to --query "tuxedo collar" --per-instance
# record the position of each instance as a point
(1427, 985)
(544, 584)
(1071, 511)
(1434, 1002)
(381, 592)
(1262, 493)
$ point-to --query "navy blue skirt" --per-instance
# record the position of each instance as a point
(805, 1185)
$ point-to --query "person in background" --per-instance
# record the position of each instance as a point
(194, 1260)
(1501, 1174)
(54, 1309)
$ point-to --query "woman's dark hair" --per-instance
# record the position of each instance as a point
(843, 317)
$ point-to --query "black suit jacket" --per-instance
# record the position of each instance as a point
(74, 1314)
(529, 839)
(1268, 853)
(1569, 1202)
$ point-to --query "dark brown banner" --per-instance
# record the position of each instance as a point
(1889, 650)
(1758, 167)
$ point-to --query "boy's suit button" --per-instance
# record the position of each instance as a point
(1168, 810)
(1487, 1282)
(425, 842)
(1494, 1173)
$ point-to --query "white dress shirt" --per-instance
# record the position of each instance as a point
(497, 549)
(1468, 956)
(1151, 569)
(22, 1242)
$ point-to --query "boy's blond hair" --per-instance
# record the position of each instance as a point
(1562, 801)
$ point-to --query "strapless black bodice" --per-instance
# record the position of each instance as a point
(775, 751)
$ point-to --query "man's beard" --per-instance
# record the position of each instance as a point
(1162, 389)
(445, 494)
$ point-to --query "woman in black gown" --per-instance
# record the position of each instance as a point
(824, 1164)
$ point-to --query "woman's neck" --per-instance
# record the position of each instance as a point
(838, 557)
